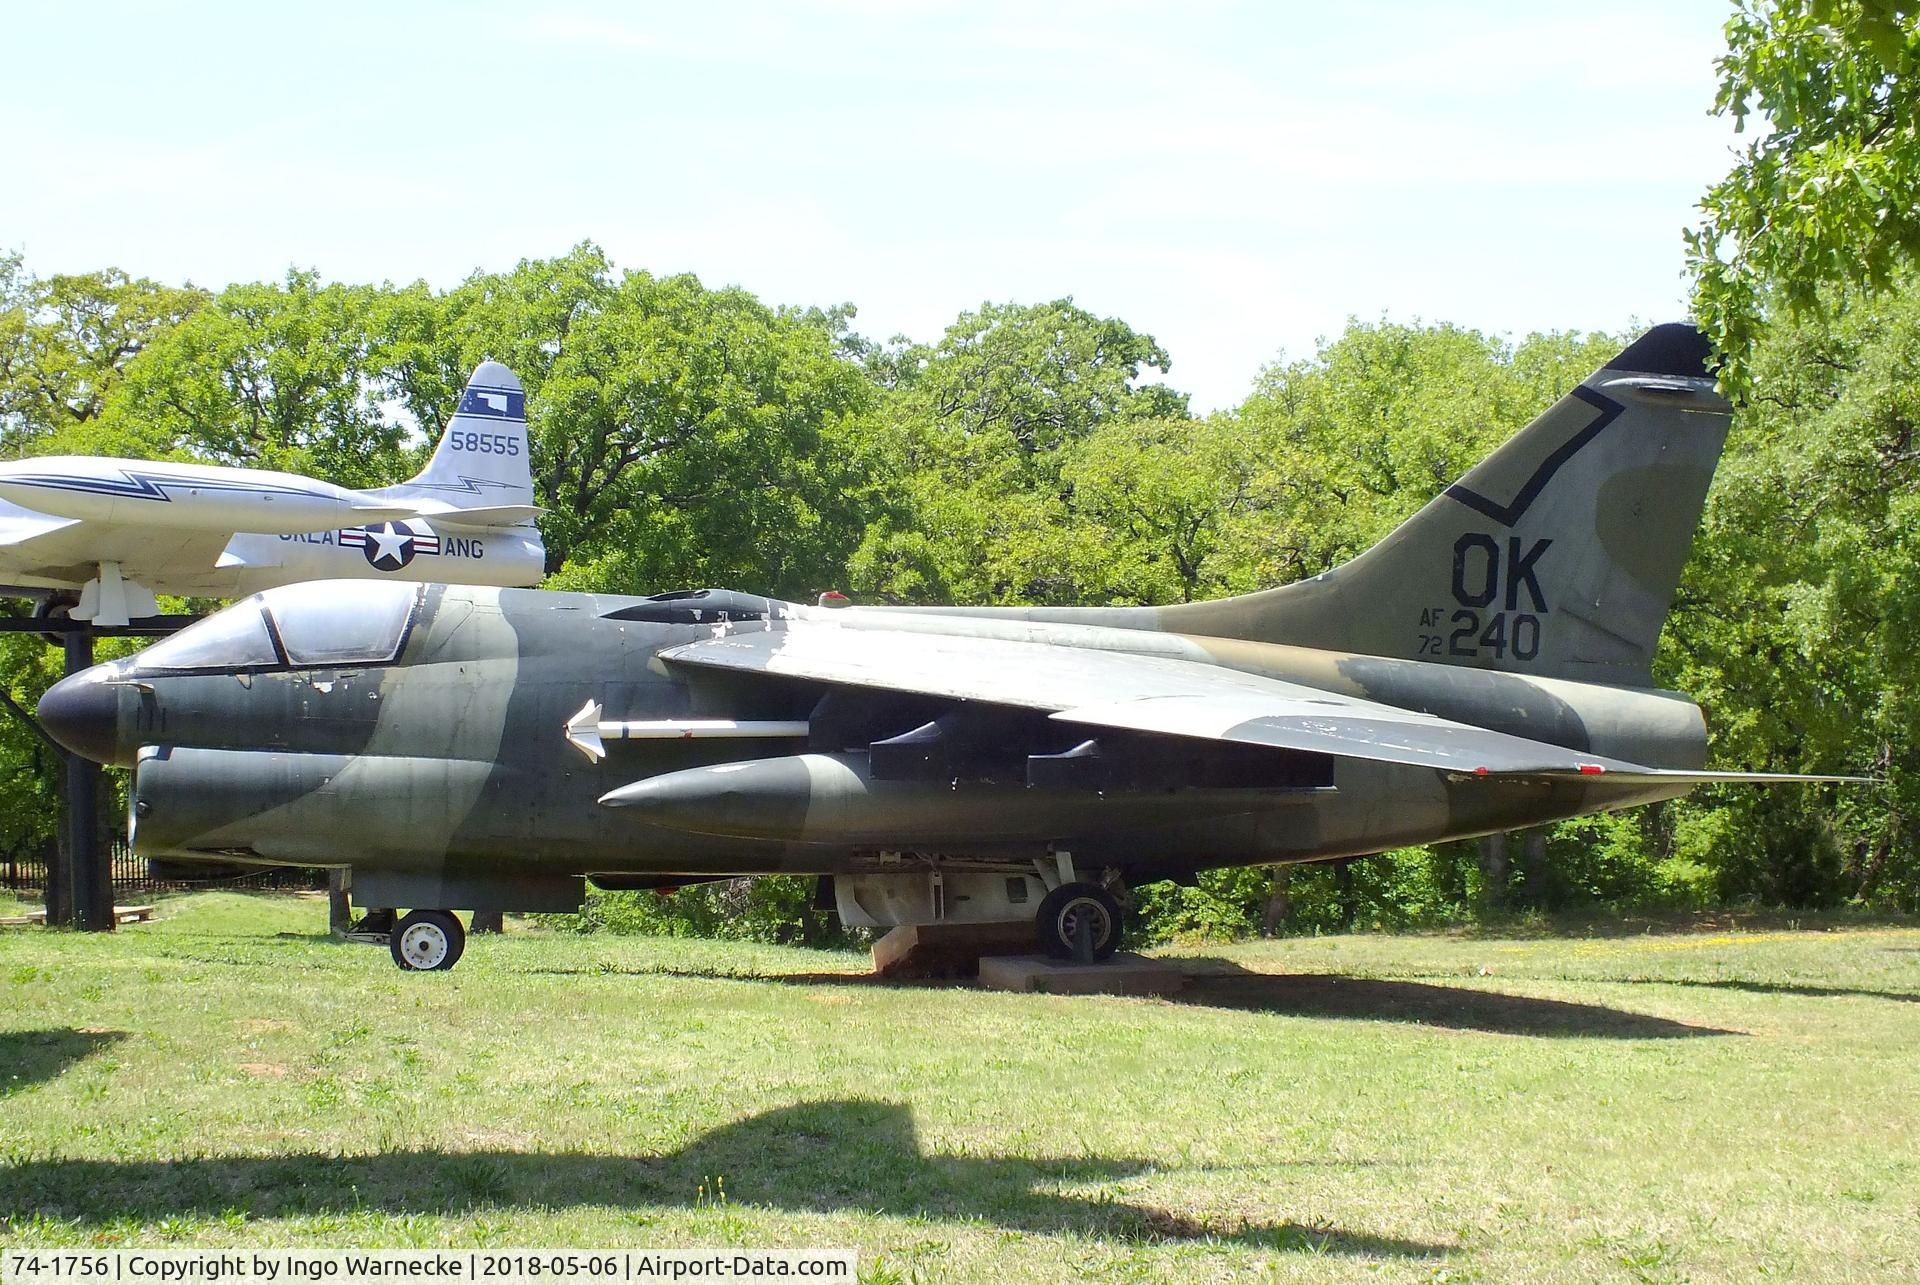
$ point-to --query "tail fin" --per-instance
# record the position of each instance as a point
(1557, 555)
(480, 473)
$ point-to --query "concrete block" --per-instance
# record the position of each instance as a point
(947, 950)
(1124, 974)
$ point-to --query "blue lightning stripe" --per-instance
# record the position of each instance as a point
(465, 486)
(143, 486)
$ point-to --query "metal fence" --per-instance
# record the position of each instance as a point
(137, 874)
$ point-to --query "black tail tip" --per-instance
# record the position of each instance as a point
(1675, 348)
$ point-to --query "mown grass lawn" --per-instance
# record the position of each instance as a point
(1704, 1106)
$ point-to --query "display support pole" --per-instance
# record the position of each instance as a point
(89, 876)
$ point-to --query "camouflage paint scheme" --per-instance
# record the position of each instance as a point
(1486, 667)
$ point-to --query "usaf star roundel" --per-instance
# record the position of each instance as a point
(390, 545)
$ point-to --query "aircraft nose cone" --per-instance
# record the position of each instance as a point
(82, 712)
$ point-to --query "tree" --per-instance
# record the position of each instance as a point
(67, 342)
(1798, 622)
(688, 435)
(282, 375)
(977, 430)
(1829, 195)
(1033, 376)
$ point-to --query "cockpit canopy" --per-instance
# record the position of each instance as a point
(326, 623)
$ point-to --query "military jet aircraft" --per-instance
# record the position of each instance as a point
(1485, 667)
(120, 531)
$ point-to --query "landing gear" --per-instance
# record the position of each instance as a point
(427, 941)
(375, 928)
(55, 606)
(1079, 921)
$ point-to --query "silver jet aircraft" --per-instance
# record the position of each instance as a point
(1485, 667)
(117, 531)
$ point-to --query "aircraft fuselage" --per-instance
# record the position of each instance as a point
(450, 767)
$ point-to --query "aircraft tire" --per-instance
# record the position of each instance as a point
(54, 606)
(427, 941)
(1056, 922)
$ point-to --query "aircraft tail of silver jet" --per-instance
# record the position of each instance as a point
(1558, 555)
(480, 474)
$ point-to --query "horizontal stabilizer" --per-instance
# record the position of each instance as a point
(478, 519)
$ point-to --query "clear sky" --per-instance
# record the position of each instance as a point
(1236, 179)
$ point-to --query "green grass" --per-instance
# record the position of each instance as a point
(1709, 1106)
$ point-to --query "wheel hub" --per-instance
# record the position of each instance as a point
(1098, 925)
(424, 946)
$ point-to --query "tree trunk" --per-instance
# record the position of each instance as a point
(1279, 900)
(1496, 869)
(58, 895)
(1533, 862)
(488, 921)
(339, 904)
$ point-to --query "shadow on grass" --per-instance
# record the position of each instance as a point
(29, 1057)
(1218, 983)
(813, 1157)
(1573, 924)
(1786, 988)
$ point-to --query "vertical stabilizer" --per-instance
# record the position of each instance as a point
(1557, 555)
(481, 470)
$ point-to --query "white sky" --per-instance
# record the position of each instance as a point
(1236, 179)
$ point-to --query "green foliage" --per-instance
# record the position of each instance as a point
(978, 434)
(282, 375)
(777, 909)
(65, 343)
(1798, 621)
(1828, 193)
(29, 769)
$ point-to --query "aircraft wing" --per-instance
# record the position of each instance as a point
(39, 548)
(18, 526)
(1161, 695)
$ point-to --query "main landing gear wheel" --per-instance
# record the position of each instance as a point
(55, 606)
(427, 941)
(1072, 906)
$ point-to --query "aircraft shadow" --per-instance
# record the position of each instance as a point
(815, 1157)
(29, 1057)
(1786, 988)
(1219, 983)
